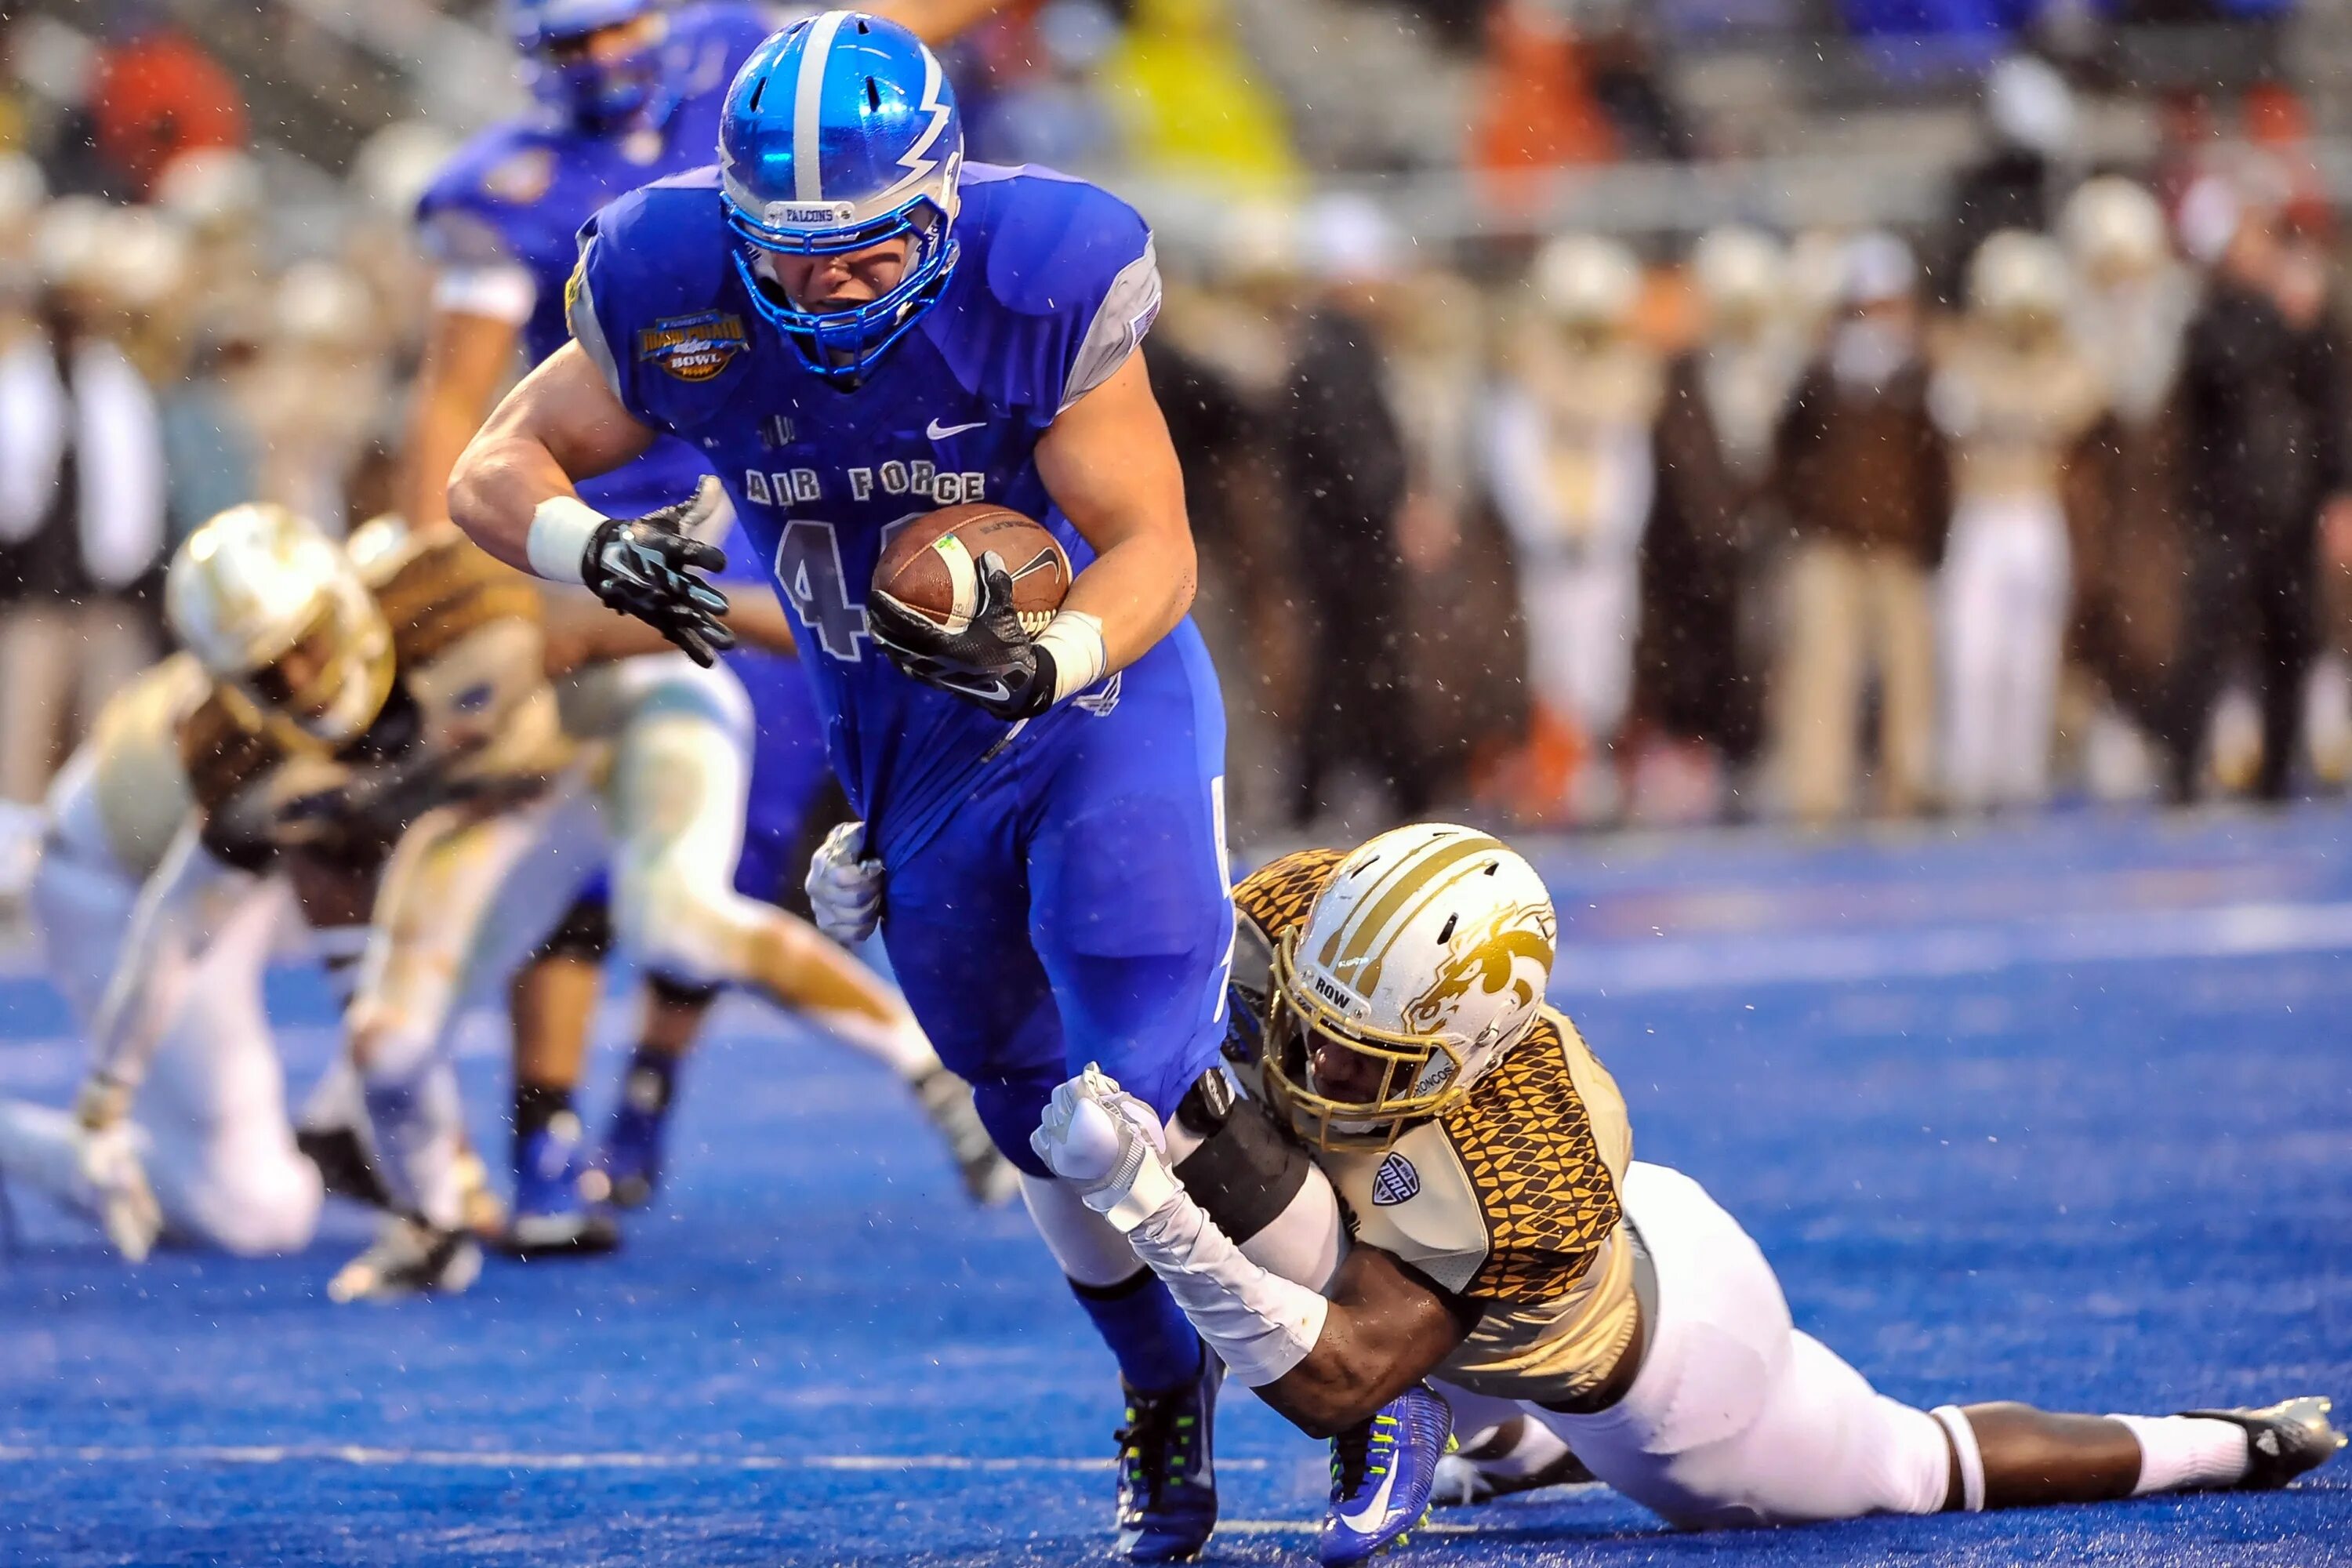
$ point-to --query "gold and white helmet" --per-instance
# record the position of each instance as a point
(2018, 281)
(1741, 275)
(1587, 283)
(281, 619)
(2113, 229)
(1421, 963)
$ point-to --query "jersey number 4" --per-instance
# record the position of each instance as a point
(809, 571)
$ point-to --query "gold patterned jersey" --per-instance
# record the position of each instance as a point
(471, 712)
(1509, 1198)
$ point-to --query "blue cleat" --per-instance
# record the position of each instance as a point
(555, 1210)
(1166, 1475)
(1382, 1475)
(632, 1156)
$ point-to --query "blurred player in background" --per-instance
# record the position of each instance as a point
(1573, 474)
(628, 90)
(212, 1158)
(1865, 480)
(321, 710)
(2015, 397)
(858, 326)
(1713, 456)
(2131, 306)
(1506, 1240)
(380, 728)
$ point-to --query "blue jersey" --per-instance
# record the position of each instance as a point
(518, 194)
(1055, 287)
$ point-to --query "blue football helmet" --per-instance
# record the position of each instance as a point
(840, 134)
(596, 95)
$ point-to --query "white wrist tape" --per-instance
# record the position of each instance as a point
(560, 531)
(1260, 1324)
(1136, 1188)
(1080, 657)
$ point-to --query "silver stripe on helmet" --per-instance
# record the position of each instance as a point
(808, 104)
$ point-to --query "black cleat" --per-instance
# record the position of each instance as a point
(1166, 1475)
(343, 1164)
(2283, 1440)
(409, 1258)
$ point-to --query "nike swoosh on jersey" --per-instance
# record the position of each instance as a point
(1370, 1513)
(938, 432)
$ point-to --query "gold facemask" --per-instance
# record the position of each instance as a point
(326, 688)
(1297, 1017)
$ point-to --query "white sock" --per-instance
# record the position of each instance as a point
(1535, 1445)
(2178, 1453)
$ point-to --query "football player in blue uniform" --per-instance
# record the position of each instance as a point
(627, 91)
(854, 326)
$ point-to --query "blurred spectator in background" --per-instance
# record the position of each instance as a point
(2264, 399)
(1864, 482)
(1457, 618)
(1037, 103)
(1535, 111)
(2031, 134)
(81, 484)
(315, 393)
(2131, 306)
(156, 94)
(1570, 460)
(216, 198)
(1346, 480)
(1218, 358)
(1723, 399)
(2014, 398)
(1189, 107)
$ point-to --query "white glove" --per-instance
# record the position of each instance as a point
(1109, 1146)
(844, 889)
(126, 1204)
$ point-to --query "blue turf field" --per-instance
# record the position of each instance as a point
(2061, 1113)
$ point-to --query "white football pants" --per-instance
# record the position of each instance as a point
(1737, 1419)
(1581, 617)
(214, 1134)
(467, 905)
(2006, 583)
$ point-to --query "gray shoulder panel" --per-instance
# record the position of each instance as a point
(1117, 328)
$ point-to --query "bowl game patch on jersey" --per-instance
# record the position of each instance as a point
(693, 348)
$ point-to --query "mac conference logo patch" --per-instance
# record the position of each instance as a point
(1395, 1182)
(693, 348)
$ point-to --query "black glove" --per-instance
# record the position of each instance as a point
(991, 662)
(648, 567)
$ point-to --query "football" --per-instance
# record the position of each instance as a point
(932, 565)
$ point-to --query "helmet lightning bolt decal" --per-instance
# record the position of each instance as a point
(914, 162)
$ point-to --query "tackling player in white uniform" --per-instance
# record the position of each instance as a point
(1506, 1242)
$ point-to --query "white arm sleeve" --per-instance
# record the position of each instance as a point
(501, 290)
(170, 928)
(1260, 1324)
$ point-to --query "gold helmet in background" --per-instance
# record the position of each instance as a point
(281, 617)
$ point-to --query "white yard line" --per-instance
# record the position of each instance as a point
(510, 1459)
(1702, 964)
